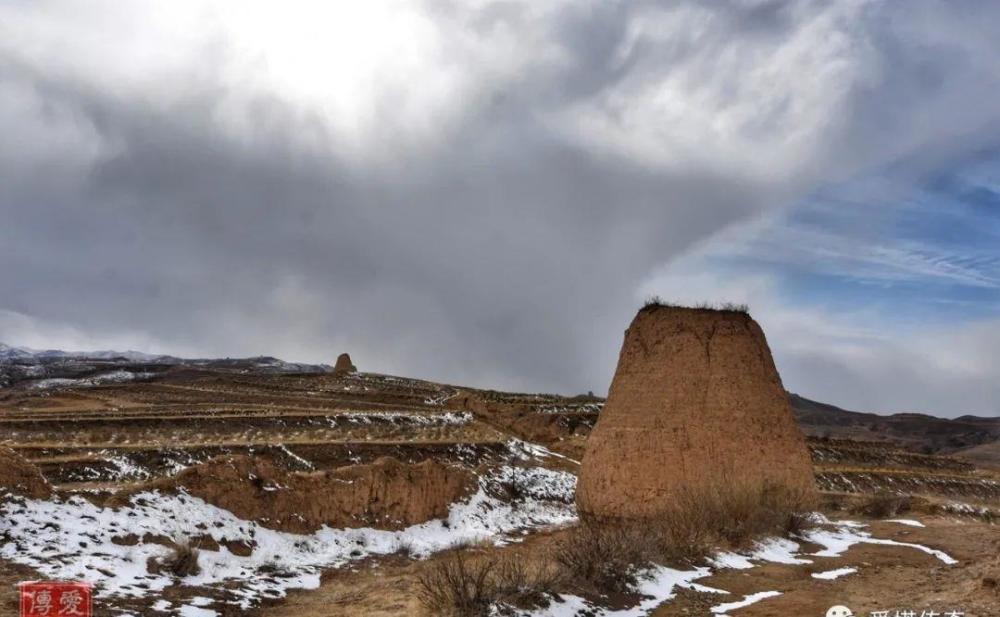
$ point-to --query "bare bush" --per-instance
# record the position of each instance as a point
(182, 561)
(512, 489)
(797, 523)
(463, 585)
(606, 556)
(470, 543)
(884, 505)
(456, 586)
(405, 548)
(833, 502)
(524, 583)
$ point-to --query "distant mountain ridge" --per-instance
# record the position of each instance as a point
(23, 364)
(913, 430)
(8, 352)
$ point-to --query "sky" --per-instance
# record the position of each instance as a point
(484, 192)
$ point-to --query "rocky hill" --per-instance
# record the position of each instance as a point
(51, 367)
(972, 437)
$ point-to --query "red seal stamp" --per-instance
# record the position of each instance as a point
(55, 599)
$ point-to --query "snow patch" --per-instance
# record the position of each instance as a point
(774, 550)
(119, 376)
(194, 611)
(526, 450)
(657, 585)
(830, 575)
(722, 609)
(905, 521)
(296, 457)
(836, 541)
(432, 419)
(72, 539)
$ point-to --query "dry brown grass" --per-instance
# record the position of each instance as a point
(735, 514)
(467, 585)
(733, 307)
(605, 556)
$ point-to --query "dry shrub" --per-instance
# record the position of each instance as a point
(991, 576)
(735, 514)
(683, 535)
(405, 548)
(605, 556)
(797, 523)
(512, 489)
(833, 502)
(884, 505)
(462, 585)
(182, 562)
(525, 583)
(464, 544)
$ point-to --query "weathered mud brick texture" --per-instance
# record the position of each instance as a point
(695, 400)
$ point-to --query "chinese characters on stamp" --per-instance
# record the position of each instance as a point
(55, 599)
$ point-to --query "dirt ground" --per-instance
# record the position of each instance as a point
(384, 589)
(888, 578)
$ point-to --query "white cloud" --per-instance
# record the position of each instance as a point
(22, 330)
(863, 359)
(757, 105)
(462, 191)
(872, 255)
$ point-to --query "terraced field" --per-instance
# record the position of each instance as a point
(844, 466)
(96, 436)
(135, 431)
(105, 443)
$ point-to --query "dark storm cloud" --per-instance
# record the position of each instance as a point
(506, 249)
(501, 253)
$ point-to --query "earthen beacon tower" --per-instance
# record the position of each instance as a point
(344, 365)
(695, 400)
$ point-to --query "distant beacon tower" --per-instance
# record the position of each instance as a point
(344, 365)
(695, 401)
